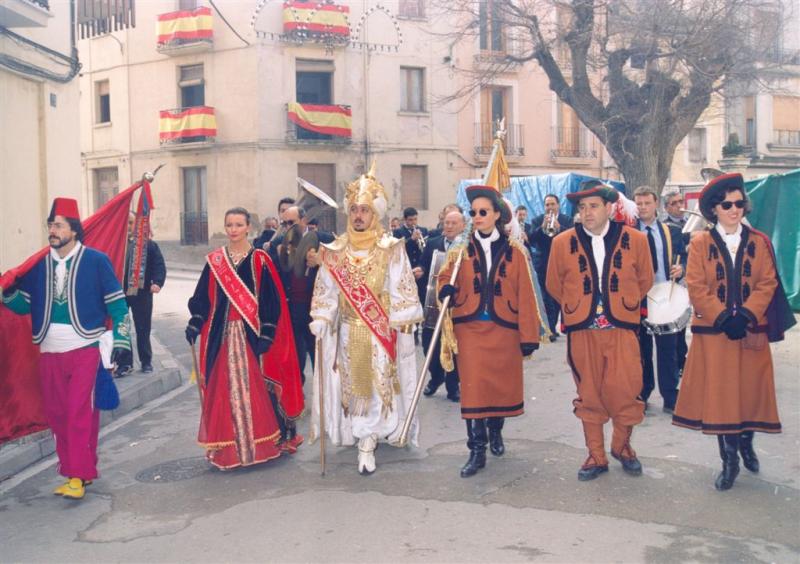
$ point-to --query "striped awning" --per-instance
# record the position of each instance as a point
(329, 120)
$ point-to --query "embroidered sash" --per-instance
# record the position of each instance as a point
(368, 307)
(238, 294)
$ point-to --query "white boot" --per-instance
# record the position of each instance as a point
(366, 455)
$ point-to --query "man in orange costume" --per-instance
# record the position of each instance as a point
(599, 271)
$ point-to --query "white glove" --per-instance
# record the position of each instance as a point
(319, 328)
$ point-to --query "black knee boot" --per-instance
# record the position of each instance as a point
(729, 453)
(496, 445)
(749, 458)
(477, 439)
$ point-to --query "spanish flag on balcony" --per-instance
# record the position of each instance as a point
(186, 26)
(186, 122)
(316, 18)
(330, 120)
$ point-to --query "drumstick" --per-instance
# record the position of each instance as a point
(672, 283)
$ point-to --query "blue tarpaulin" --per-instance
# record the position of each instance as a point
(530, 191)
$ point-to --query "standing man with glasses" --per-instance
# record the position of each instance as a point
(668, 255)
(674, 206)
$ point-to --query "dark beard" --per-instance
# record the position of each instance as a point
(61, 243)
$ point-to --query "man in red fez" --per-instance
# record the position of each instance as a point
(70, 294)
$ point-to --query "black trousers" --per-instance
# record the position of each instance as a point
(551, 306)
(667, 366)
(142, 311)
(681, 349)
(438, 375)
(304, 340)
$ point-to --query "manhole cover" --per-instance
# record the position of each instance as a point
(174, 470)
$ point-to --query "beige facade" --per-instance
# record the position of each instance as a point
(763, 117)
(544, 135)
(255, 154)
(39, 150)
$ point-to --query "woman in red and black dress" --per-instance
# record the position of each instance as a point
(249, 376)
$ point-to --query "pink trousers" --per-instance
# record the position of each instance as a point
(68, 396)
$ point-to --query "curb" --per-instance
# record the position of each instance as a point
(135, 391)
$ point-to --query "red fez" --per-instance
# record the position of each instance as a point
(65, 207)
(721, 184)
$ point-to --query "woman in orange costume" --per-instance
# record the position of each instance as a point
(728, 388)
(249, 376)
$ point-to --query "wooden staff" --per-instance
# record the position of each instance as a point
(321, 386)
(412, 408)
(196, 374)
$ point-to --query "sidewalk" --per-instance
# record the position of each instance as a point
(135, 390)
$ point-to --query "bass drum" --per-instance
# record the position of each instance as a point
(668, 309)
(431, 310)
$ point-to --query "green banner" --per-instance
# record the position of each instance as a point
(776, 201)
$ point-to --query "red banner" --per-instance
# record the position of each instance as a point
(20, 398)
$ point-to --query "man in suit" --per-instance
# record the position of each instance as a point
(543, 230)
(453, 226)
(674, 204)
(668, 255)
(140, 300)
(296, 260)
(414, 237)
(525, 227)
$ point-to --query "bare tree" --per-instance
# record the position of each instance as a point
(638, 73)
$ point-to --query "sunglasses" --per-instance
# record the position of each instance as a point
(727, 204)
(482, 213)
(289, 222)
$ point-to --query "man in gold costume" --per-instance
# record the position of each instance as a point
(363, 312)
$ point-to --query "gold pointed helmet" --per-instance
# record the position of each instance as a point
(367, 190)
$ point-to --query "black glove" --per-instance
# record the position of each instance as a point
(447, 290)
(528, 348)
(118, 356)
(735, 327)
(263, 345)
(191, 333)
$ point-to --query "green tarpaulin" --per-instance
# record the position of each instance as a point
(776, 212)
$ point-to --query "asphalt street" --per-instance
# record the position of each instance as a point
(159, 501)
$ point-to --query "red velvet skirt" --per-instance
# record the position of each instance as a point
(238, 426)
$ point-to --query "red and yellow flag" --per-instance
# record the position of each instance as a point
(316, 18)
(330, 120)
(185, 25)
(199, 121)
(499, 176)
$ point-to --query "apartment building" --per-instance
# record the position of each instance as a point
(238, 103)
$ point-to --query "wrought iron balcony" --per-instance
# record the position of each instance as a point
(197, 124)
(187, 31)
(786, 138)
(573, 143)
(318, 124)
(514, 143)
(24, 13)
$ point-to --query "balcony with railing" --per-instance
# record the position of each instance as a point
(24, 13)
(785, 139)
(178, 126)
(184, 32)
(318, 124)
(326, 23)
(514, 143)
(573, 143)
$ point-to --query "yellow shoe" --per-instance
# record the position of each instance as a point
(61, 489)
(74, 489)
